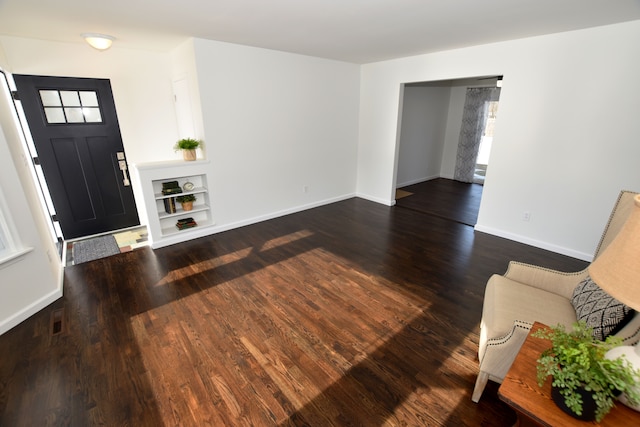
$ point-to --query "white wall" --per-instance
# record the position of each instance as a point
(34, 280)
(564, 147)
(183, 62)
(422, 133)
(276, 123)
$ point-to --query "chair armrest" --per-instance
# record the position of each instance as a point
(499, 353)
(555, 281)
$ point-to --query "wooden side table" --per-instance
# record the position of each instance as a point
(533, 404)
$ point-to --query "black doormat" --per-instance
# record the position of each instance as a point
(96, 248)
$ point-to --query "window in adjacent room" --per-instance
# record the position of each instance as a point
(10, 246)
(485, 145)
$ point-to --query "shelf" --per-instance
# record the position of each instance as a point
(162, 225)
(181, 212)
(160, 196)
(169, 231)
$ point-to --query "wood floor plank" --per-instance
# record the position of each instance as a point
(349, 314)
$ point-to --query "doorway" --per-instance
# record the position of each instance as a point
(76, 135)
(429, 134)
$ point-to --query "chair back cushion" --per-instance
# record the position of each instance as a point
(619, 215)
(604, 314)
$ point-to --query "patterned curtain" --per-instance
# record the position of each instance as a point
(474, 120)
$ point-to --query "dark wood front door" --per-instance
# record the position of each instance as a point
(75, 130)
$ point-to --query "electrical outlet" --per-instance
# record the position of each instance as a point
(305, 189)
(526, 216)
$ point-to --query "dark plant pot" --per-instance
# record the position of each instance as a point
(588, 404)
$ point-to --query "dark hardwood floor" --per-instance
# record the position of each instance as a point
(446, 198)
(350, 314)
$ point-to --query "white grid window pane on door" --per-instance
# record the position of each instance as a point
(54, 115)
(50, 98)
(92, 114)
(74, 115)
(70, 98)
(88, 98)
(70, 106)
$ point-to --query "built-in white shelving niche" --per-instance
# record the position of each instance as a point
(161, 218)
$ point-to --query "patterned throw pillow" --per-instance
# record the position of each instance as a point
(605, 314)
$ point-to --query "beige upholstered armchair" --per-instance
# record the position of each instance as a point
(527, 293)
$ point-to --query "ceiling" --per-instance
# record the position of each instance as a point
(358, 31)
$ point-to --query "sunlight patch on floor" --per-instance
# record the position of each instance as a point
(307, 364)
(225, 259)
(190, 270)
(285, 240)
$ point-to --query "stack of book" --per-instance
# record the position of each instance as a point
(170, 205)
(185, 223)
(170, 187)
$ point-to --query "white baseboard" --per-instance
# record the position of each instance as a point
(536, 243)
(376, 199)
(283, 212)
(30, 310)
(417, 181)
(197, 232)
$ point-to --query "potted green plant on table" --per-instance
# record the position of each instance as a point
(585, 382)
(186, 201)
(188, 147)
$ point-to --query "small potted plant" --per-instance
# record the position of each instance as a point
(582, 376)
(186, 201)
(188, 147)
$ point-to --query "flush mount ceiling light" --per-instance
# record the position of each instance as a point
(98, 41)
